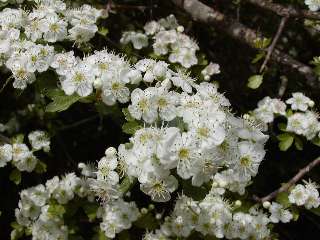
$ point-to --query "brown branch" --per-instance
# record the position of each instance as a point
(202, 13)
(274, 43)
(292, 181)
(283, 86)
(285, 11)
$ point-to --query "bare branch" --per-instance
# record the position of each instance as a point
(292, 181)
(274, 42)
(285, 11)
(202, 13)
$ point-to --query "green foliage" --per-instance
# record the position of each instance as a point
(286, 140)
(131, 127)
(255, 81)
(15, 176)
(60, 101)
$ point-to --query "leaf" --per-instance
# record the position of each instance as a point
(255, 81)
(15, 176)
(298, 143)
(286, 140)
(91, 210)
(131, 127)
(147, 221)
(61, 102)
(316, 211)
(103, 31)
(56, 210)
(295, 213)
(127, 115)
(282, 126)
(258, 57)
(283, 199)
(41, 167)
(316, 141)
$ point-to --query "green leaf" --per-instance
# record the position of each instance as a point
(258, 57)
(41, 167)
(295, 213)
(262, 43)
(56, 210)
(286, 140)
(127, 115)
(15, 176)
(91, 210)
(103, 31)
(316, 141)
(283, 199)
(282, 126)
(316, 211)
(131, 127)
(61, 102)
(147, 221)
(298, 143)
(255, 81)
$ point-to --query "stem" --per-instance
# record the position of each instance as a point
(285, 11)
(274, 42)
(296, 178)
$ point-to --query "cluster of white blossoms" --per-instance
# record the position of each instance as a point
(50, 21)
(40, 208)
(314, 5)
(300, 120)
(117, 216)
(169, 39)
(305, 195)
(20, 155)
(213, 216)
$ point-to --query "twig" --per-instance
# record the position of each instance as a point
(285, 11)
(76, 124)
(292, 181)
(202, 13)
(274, 42)
(283, 86)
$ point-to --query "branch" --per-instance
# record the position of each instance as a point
(274, 42)
(202, 13)
(285, 11)
(292, 181)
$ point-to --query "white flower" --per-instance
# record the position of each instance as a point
(160, 189)
(5, 154)
(298, 195)
(300, 102)
(209, 70)
(114, 87)
(63, 62)
(138, 40)
(143, 105)
(54, 28)
(278, 213)
(79, 79)
(106, 167)
(314, 5)
(249, 159)
(39, 140)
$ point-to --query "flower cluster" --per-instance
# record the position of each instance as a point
(314, 5)
(41, 207)
(49, 22)
(212, 216)
(306, 195)
(19, 153)
(300, 119)
(169, 39)
(117, 216)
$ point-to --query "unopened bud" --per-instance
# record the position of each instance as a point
(266, 204)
